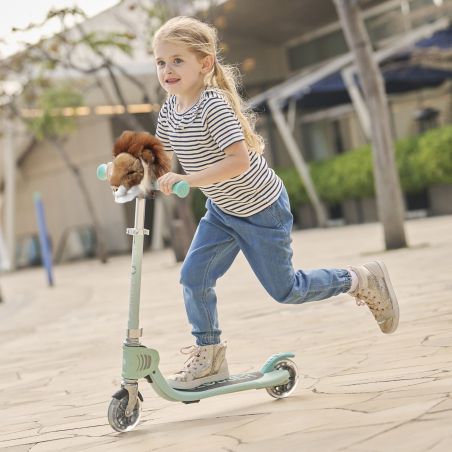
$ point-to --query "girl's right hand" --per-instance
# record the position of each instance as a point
(167, 181)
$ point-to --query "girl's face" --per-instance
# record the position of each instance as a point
(180, 72)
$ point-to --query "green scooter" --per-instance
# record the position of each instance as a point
(278, 375)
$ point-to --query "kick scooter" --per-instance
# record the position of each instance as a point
(278, 375)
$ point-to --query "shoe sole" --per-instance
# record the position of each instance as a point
(198, 382)
(392, 297)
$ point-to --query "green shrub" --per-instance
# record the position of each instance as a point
(294, 186)
(421, 162)
(347, 176)
(435, 156)
(411, 178)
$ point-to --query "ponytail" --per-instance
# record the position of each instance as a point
(225, 78)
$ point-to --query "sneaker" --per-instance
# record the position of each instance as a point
(375, 290)
(205, 364)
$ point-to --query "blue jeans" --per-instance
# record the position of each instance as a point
(264, 239)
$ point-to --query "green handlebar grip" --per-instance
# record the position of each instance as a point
(181, 189)
(101, 171)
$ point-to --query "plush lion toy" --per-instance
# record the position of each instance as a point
(139, 160)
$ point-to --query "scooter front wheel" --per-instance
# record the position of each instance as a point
(281, 391)
(117, 413)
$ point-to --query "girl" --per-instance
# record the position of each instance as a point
(203, 121)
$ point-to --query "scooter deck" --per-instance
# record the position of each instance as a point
(235, 383)
(232, 380)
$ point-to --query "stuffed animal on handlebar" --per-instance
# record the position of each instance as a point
(139, 160)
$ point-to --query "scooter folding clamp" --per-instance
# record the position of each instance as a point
(135, 231)
(134, 334)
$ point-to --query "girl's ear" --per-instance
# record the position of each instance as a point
(207, 64)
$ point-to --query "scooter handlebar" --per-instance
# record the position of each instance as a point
(102, 171)
(181, 189)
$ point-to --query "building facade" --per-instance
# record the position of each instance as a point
(270, 41)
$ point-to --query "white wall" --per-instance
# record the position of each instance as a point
(43, 171)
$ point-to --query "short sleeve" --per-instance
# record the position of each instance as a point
(222, 123)
(162, 129)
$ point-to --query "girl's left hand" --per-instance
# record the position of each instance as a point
(167, 181)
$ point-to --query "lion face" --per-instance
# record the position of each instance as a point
(127, 171)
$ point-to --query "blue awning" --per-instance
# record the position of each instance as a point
(441, 39)
(332, 91)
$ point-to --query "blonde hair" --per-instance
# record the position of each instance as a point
(202, 39)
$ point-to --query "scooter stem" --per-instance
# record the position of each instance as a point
(138, 232)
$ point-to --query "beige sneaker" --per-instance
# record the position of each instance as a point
(376, 291)
(205, 364)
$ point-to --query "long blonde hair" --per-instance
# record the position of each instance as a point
(202, 39)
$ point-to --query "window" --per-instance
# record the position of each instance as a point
(316, 51)
(322, 139)
(385, 25)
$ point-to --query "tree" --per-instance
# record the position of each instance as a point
(387, 184)
(35, 67)
(55, 127)
(64, 50)
(37, 89)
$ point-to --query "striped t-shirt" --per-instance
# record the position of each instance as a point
(199, 137)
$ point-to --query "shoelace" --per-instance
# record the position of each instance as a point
(190, 349)
(194, 351)
(367, 298)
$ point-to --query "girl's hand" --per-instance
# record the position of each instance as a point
(167, 181)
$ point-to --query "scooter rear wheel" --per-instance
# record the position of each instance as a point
(282, 391)
(117, 413)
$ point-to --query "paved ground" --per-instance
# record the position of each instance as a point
(360, 390)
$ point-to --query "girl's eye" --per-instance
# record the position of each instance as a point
(160, 63)
(177, 60)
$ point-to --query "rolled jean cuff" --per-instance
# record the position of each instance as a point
(348, 281)
(203, 339)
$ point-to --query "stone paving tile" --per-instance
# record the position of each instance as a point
(359, 390)
(17, 448)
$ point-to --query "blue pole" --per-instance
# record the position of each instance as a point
(43, 237)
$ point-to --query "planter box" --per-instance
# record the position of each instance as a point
(352, 211)
(306, 217)
(440, 199)
(356, 211)
(360, 210)
(369, 210)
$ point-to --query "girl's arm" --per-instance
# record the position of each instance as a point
(236, 162)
